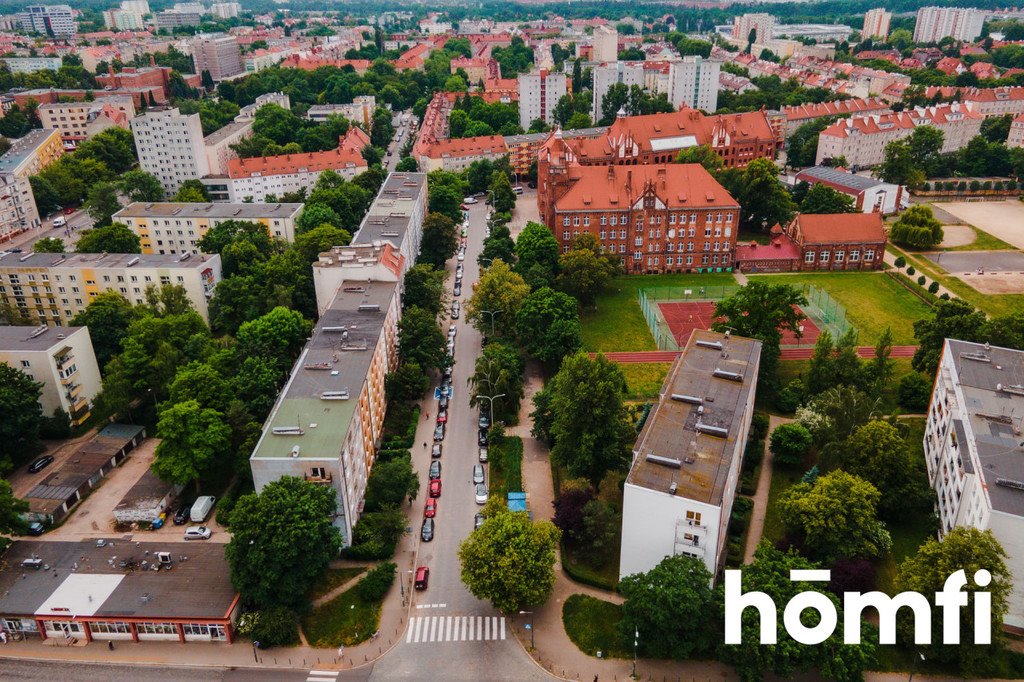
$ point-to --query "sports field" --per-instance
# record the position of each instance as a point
(682, 317)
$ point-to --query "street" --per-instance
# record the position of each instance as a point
(450, 632)
(76, 223)
(13, 669)
(402, 133)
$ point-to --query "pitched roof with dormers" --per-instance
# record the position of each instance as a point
(290, 164)
(616, 188)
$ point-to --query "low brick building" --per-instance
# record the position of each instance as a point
(842, 241)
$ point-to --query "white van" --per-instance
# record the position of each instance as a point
(60, 221)
(201, 508)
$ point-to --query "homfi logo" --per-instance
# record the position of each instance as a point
(951, 599)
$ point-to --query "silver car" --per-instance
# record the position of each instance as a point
(478, 473)
(481, 494)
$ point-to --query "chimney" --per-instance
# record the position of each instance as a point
(110, 70)
(152, 60)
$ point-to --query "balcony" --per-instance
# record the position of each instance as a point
(326, 479)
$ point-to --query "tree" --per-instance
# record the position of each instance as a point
(138, 185)
(762, 311)
(23, 416)
(12, 510)
(317, 214)
(502, 197)
(879, 369)
(498, 246)
(46, 196)
(445, 191)
(917, 228)
(836, 517)
(319, 240)
(835, 413)
(194, 441)
(569, 504)
(407, 165)
(790, 443)
(192, 192)
(823, 199)
(49, 245)
(440, 239)
(420, 340)
(969, 550)
(282, 540)
(424, 288)
(381, 129)
(278, 336)
(702, 154)
(601, 527)
(115, 238)
(500, 292)
(107, 316)
(114, 148)
(914, 392)
(898, 166)
(537, 246)
(200, 382)
(585, 270)
(764, 201)
(590, 429)
(996, 128)
(821, 373)
(255, 383)
(510, 560)
(802, 145)
(668, 606)
(548, 325)
(408, 382)
(499, 371)
(102, 203)
(390, 483)
(953, 319)
(770, 573)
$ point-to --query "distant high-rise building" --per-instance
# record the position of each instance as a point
(607, 75)
(959, 23)
(120, 20)
(219, 54)
(52, 20)
(876, 23)
(693, 81)
(135, 6)
(170, 146)
(606, 44)
(225, 10)
(763, 26)
(539, 92)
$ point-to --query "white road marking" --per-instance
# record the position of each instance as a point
(431, 629)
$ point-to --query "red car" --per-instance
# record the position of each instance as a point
(430, 508)
(422, 577)
(442, 417)
(435, 488)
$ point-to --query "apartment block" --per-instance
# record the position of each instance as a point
(78, 121)
(170, 146)
(218, 54)
(279, 98)
(225, 10)
(176, 228)
(972, 445)
(396, 216)
(679, 493)
(56, 21)
(1016, 135)
(539, 92)
(763, 26)
(876, 23)
(607, 75)
(18, 211)
(51, 288)
(32, 152)
(62, 360)
(606, 44)
(120, 20)
(136, 6)
(693, 82)
(359, 110)
(960, 23)
(30, 64)
(170, 19)
(218, 144)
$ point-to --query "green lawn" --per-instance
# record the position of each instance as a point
(592, 625)
(644, 380)
(616, 323)
(506, 467)
(334, 577)
(345, 620)
(782, 480)
(586, 566)
(873, 301)
(983, 241)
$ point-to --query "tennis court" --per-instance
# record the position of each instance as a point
(682, 317)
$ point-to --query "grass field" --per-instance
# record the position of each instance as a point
(644, 380)
(592, 625)
(983, 241)
(616, 323)
(872, 300)
(506, 467)
(334, 577)
(345, 620)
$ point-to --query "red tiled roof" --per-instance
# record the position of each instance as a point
(288, 164)
(802, 112)
(908, 120)
(615, 188)
(838, 228)
(467, 146)
(781, 248)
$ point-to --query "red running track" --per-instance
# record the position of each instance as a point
(802, 353)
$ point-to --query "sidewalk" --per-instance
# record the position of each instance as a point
(890, 259)
(764, 484)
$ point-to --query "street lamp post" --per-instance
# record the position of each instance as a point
(255, 645)
(492, 313)
(636, 639)
(530, 614)
(490, 399)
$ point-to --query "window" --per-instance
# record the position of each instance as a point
(824, 255)
(615, 220)
(693, 218)
(693, 517)
(637, 255)
(809, 257)
(622, 248)
(869, 255)
(704, 259)
(728, 219)
(671, 218)
(639, 241)
(728, 232)
(604, 220)
(565, 234)
(26, 364)
(575, 220)
(565, 221)
(840, 256)
(689, 260)
(604, 234)
(718, 217)
(707, 230)
(668, 260)
(854, 254)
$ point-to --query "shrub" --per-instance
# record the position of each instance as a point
(789, 398)
(277, 626)
(753, 454)
(950, 186)
(790, 443)
(944, 296)
(852, 574)
(225, 505)
(974, 186)
(914, 392)
(933, 288)
(376, 583)
(758, 426)
(962, 185)
(987, 185)
(921, 280)
(900, 261)
(927, 186)
(911, 271)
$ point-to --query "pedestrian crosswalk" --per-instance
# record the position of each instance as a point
(322, 676)
(424, 629)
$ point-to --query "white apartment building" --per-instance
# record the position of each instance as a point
(539, 92)
(762, 24)
(78, 121)
(693, 82)
(32, 152)
(960, 23)
(30, 64)
(18, 212)
(172, 228)
(120, 20)
(395, 216)
(51, 288)
(279, 98)
(218, 144)
(972, 446)
(861, 140)
(225, 10)
(197, 7)
(359, 110)
(170, 146)
(876, 23)
(136, 6)
(607, 75)
(56, 21)
(1016, 136)
(62, 360)
(605, 44)
(680, 489)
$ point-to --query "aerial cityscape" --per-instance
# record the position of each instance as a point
(535, 340)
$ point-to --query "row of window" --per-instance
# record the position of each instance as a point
(622, 219)
(15, 278)
(840, 256)
(678, 260)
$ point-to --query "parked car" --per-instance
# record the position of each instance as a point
(422, 578)
(182, 514)
(518, 189)
(470, 200)
(435, 470)
(439, 433)
(60, 221)
(435, 451)
(36, 528)
(458, 290)
(483, 454)
(40, 464)
(483, 421)
(201, 508)
(455, 311)
(465, 232)
(427, 530)
(443, 402)
(481, 438)
(464, 207)
(478, 520)
(198, 533)
(430, 508)
(450, 347)
(452, 330)
(478, 473)
(442, 417)
(481, 494)
(435, 488)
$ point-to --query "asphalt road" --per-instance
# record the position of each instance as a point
(444, 634)
(76, 223)
(396, 145)
(13, 669)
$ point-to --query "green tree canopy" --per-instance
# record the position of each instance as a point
(420, 340)
(499, 371)
(116, 238)
(762, 311)
(107, 316)
(585, 270)
(23, 415)
(764, 201)
(548, 325)
(502, 292)
(194, 442)
(278, 335)
(823, 199)
(138, 185)
(440, 239)
(537, 246)
(49, 245)
(918, 228)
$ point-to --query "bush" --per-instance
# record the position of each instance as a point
(900, 261)
(225, 505)
(987, 185)
(758, 426)
(911, 271)
(914, 392)
(790, 444)
(274, 627)
(753, 454)
(944, 297)
(933, 288)
(962, 185)
(926, 186)
(852, 574)
(921, 280)
(376, 583)
(975, 185)
(789, 398)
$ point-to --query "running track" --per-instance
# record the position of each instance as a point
(801, 353)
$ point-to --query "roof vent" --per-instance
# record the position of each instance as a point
(692, 399)
(334, 330)
(977, 357)
(287, 431)
(664, 461)
(295, 451)
(133, 261)
(717, 345)
(1015, 389)
(334, 395)
(369, 307)
(725, 374)
(1010, 483)
(710, 430)
(672, 488)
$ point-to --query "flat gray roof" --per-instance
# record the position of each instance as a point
(539, 137)
(227, 131)
(671, 431)
(104, 260)
(34, 338)
(994, 416)
(174, 209)
(390, 213)
(841, 178)
(337, 358)
(23, 147)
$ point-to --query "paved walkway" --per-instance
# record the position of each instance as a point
(791, 353)
(891, 260)
(764, 484)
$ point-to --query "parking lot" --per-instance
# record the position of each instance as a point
(1003, 219)
(989, 272)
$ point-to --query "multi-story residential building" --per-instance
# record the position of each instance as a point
(57, 21)
(972, 446)
(261, 59)
(170, 146)
(861, 140)
(606, 44)
(30, 64)
(523, 149)
(254, 178)
(32, 152)
(876, 23)
(120, 20)
(1016, 136)
(78, 121)
(658, 218)
(173, 228)
(218, 144)
(869, 195)
(396, 216)
(849, 241)
(960, 23)
(477, 69)
(680, 489)
(225, 10)
(145, 78)
(763, 26)
(136, 6)
(218, 54)
(539, 92)
(18, 212)
(798, 114)
(279, 98)
(51, 288)
(607, 75)
(359, 110)
(171, 19)
(63, 361)
(693, 82)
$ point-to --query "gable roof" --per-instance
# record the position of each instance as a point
(615, 187)
(816, 228)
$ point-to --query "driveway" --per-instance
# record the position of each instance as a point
(526, 210)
